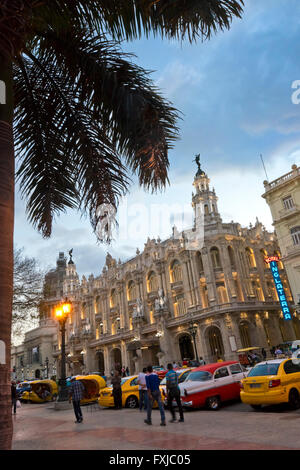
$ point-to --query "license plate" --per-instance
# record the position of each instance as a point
(255, 385)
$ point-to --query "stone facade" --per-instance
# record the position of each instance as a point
(283, 198)
(212, 277)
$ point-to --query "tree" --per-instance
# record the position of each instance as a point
(27, 292)
(80, 116)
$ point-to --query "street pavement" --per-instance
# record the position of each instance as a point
(234, 427)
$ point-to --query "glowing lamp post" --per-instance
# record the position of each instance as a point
(193, 331)
(62, 313)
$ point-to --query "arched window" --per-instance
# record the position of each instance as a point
(179, 306)
(222, 294)
(244, 335)
(272, 290)
(113, 298)
(295, 232)
(215, 342)
(215, 257)
(97, 305)
(257, 290)
(231, 257)
(206, 210)
(175, 272)
(131, 291)
(152, 283)
(250, 258)
(199, 263)
(279, 263)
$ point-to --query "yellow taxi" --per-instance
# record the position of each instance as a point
(272, 382)
(130, 393)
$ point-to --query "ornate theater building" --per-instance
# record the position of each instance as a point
(177, 299)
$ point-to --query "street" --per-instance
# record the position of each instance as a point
(234, 427)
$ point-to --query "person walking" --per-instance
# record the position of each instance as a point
(127, 371)
(14, 396)
(173, 392)
(117, 390)
(263, 353)
(142, 389)
(152, 382)
(76, 390)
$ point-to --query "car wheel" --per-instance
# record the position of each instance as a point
(294, 399)
(213, 403)
(132, 402)
(256, 407)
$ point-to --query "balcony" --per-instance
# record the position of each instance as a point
(286, 213)
(283, 179)
(293, 250)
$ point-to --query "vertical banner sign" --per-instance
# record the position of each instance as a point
(272, 260)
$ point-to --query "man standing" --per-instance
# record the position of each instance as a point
(142, 389)
(117, 390)
(173, 392)
(14, 396)
(152, 382)
(76, 390)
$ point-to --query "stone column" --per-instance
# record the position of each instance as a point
(210, 277)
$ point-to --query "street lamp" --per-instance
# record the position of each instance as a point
(193, 331)
(47, 367)
(61, 314)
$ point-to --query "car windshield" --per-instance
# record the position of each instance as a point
(264, 369)
(200, 376)
(124, 380)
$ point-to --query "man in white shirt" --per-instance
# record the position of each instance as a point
(142, 389)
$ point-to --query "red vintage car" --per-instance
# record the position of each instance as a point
(212, 384)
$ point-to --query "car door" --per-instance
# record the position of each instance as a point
(223, 383)
(237, 374)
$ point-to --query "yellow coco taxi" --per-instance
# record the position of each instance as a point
(272, 382)
(130, 393)
(40, 391)
(93, 384)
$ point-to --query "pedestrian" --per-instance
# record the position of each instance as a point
(127, 371)
(152, 382)
(14, 396)
(117, 390)
(201, 361)
(123, 371)
(263, 353)
(278, 351)
(175, 364)
(219, 359)
(142, 389)
(173, 393)
(76, 390)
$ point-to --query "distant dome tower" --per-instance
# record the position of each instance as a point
(205, 200)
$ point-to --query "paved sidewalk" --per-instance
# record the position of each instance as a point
(40, 427)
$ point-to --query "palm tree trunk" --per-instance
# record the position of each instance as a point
(6, 248)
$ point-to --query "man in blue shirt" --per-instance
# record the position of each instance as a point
(152, 383)
(173, 392)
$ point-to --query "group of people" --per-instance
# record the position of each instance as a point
(149, 392)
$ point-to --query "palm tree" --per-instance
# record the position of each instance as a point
(79, 115)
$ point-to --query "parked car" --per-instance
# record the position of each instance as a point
(272, 382)
(212, 384)
(130, 393)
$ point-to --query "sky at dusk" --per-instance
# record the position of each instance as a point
(234, 93)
